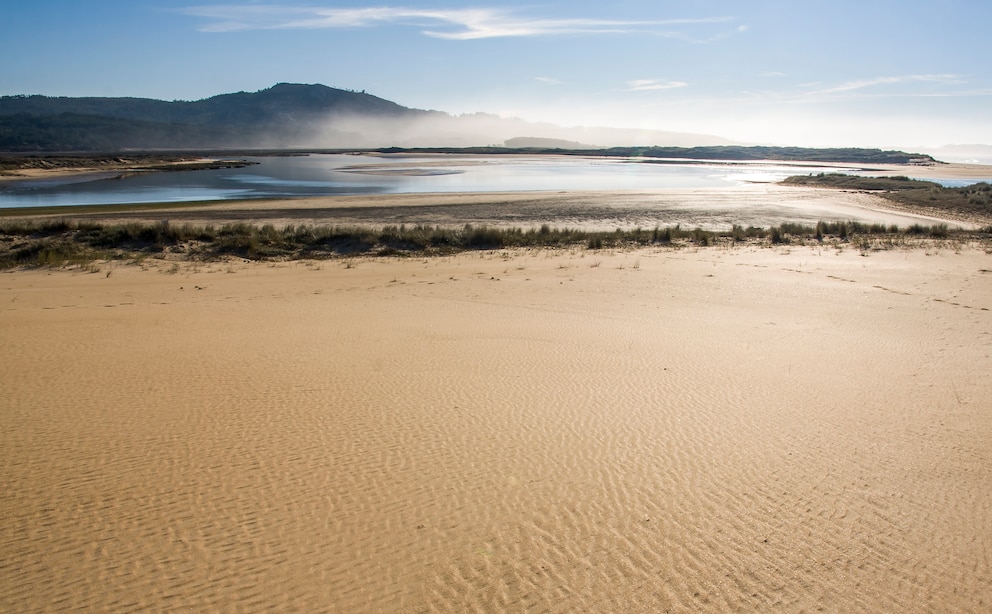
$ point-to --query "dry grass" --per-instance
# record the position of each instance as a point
(55, 243)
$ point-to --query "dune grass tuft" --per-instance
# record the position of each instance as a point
(53, 243)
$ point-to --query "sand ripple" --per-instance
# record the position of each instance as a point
(660, 430)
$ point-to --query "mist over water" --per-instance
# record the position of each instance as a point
(437, 129)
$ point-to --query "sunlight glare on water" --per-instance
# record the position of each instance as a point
(329, 175)
(340, 174)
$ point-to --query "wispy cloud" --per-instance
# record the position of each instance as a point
(452, 24)
(862, 84)
(645, 85)
(549, 80)
(862, 90)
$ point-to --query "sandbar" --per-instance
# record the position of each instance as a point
(712, 209)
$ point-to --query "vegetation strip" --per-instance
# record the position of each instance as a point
(60, 242)
(740, 153)
(973, 201)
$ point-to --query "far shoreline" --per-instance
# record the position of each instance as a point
(15, 169)
(31, 166)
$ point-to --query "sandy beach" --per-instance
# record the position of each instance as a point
(91, 168)
(942, 170)
(722, 430)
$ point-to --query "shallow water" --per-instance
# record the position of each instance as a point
(328, 175)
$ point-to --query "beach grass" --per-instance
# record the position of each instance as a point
(972, 201)
(57, 242)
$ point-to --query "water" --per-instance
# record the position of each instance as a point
(329, 175)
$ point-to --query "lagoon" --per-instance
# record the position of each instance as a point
(343, 174)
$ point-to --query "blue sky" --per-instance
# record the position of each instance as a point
(803, 72)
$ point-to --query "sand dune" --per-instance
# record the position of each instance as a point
(661, 430)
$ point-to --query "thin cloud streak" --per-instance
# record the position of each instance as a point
(851, 86)
(465, 24)
(864, 89)
(645, 85)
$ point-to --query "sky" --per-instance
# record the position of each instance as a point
(867, 73)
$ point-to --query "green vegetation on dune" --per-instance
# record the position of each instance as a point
(973, 201)
(59, 242)
(855, 182)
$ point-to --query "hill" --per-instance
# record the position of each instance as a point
(297, 116)
(284, 115)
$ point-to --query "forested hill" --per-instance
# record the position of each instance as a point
(296, 116)
(283, 115)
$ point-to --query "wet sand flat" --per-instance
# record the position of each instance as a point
(712, 209)
(746, 429)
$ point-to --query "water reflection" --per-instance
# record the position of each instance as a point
(328, 175)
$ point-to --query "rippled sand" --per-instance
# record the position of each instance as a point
(721, 430)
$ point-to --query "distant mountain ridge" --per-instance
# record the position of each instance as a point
(298, 116)
(280, 103)
(283, 115)
(286, 115)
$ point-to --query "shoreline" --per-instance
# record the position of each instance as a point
(87, 168)
(43, 166)
(711, 208)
